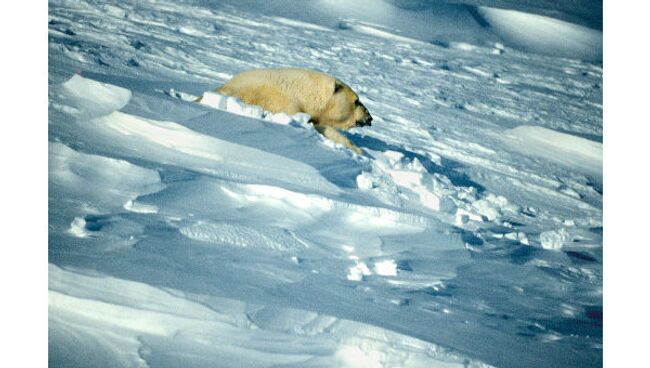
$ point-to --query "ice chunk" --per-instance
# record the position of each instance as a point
(386, 268)
(279, 118)
(357, 272)
(554, 239)
(78, 227)
(214, 100)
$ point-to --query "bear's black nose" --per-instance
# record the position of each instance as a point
(364, 122)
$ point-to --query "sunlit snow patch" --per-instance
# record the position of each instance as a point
(373, 30)
(168, 142)
(119, 322)
(236, 106)
(300, 24)
(554, 239)
(94, 97)
(78, 227)
(382, 268)
(386, 268)
(493, 206)
(140, 207)
(239, 235)
(545, 35)
(393, 169)
(356, 356)
(567, 149)
(358, 271)
(102, 182)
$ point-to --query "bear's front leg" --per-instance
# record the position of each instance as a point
(336, 136)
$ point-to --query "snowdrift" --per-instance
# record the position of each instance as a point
(219, 234)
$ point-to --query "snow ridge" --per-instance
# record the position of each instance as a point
(215, 233)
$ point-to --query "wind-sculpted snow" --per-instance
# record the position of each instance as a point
(469, 233)
(218, 204)
(575, 152)
(544, 34)
(131, 324)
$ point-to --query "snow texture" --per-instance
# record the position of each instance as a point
(543, 34)
(468, 233)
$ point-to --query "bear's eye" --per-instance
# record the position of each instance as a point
(356, 102)
(337, 87)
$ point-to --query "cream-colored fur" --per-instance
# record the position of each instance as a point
(330, 103)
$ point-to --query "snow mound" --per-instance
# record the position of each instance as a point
(189, 235)
(566, 149)
(166, 141)
(393, 173)
(375, 31)
(545, 35)
(125, 323)
(95, 97)
(300, 24)
(554, 239)
(238, 235)
(97, 184)
(236, 106)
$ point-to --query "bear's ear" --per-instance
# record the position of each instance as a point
(337, 86)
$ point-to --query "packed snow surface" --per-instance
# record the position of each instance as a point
(469, 233)
(543, 34)
(575, 152)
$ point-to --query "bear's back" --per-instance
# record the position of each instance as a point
(282, 89)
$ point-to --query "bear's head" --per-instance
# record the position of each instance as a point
(344, 110)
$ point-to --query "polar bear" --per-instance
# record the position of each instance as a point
(331, 103)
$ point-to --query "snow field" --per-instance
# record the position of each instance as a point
(134, 324)
(236, 106)
(475, 215)
(168, 141)
(265, 226)
(544, 34)
(576, 152)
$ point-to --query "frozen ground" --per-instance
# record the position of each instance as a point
(184, 234)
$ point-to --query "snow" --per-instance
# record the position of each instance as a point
(236, 106)
(89, 180)
(386, 268)
(554, 239)
(78, 227)
(574, 32)
(576, 152)
(219, 234)
(94, 97)
(133, 324)
(357, 272)
(545, 34)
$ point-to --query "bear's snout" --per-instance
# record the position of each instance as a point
(365, 121)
